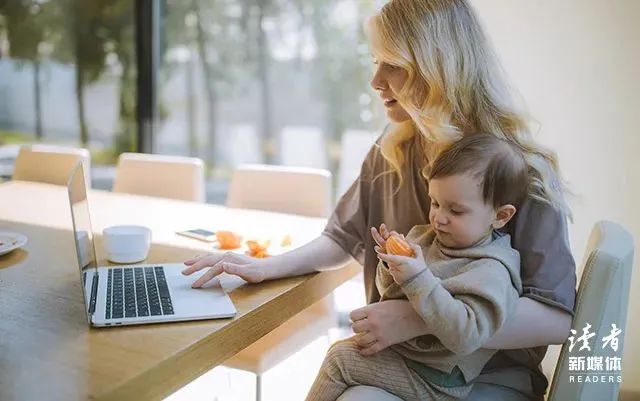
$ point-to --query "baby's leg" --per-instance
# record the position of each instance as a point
(344, 366)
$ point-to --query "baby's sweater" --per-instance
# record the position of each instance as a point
(464, 296)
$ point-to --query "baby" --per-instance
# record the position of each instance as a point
(463, 279)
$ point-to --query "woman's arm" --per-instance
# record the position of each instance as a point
(533, 324)
(320, 254)
(383, 324)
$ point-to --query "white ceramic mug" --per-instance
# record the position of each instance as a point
(127, 244)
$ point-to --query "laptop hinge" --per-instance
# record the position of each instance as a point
(94, 294)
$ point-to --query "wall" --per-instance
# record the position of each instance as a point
(575, 63)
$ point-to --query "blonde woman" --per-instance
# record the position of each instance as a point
(439, 81)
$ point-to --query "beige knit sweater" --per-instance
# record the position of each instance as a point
(464, 297)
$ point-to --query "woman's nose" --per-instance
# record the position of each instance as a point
(379, 82)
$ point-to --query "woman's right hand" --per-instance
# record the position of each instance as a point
(246, 267)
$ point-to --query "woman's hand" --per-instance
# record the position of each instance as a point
(382, 324)
(246, 267)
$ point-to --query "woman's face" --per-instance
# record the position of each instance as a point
(387, 81)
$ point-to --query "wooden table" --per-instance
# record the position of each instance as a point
(47, 350)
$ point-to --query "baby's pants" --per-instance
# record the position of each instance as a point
(344, 367)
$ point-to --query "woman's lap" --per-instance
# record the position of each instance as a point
(480, 392)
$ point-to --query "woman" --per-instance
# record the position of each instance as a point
(439, 81)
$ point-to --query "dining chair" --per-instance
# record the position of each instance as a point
(163, 176)
(602, 300)
(50, 164)
(297, 190)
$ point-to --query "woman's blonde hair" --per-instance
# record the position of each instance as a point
(454, 86)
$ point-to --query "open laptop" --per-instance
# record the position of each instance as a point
(135, 294)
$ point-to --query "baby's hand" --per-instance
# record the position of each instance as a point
(403, 268)
(380, 236)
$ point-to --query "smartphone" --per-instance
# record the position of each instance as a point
(199, 233)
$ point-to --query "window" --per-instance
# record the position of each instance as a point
(278, 82)
(68, 76)
(238, 81)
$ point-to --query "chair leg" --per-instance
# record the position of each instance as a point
(258, 387)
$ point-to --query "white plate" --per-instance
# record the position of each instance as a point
(10, 241)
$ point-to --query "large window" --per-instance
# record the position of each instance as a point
(265, 82)
(259, 81)
(68, 75)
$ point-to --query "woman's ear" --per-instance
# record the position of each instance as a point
(503, 214)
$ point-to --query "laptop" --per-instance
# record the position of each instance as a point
(135, 294)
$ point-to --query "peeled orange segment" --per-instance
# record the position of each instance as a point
(228, 240)
(256, 246)
(258, 249)
(261, 254)
(286, 241)
(396, 245)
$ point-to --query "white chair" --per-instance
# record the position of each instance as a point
(301, 191)
(296, 190)
(603, 299)
(162, 176)
(50, 164)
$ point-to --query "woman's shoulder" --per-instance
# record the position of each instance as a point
(537, 221)
(409, 146)
(532, 209)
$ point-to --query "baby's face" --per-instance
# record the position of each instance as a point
(458, 213)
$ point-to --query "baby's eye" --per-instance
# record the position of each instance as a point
(457, 212)
(434, 204)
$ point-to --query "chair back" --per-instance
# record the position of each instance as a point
(50, 164)
(298, 190)
(161, 176)
(602, 301)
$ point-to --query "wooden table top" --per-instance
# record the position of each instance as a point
(47, 350)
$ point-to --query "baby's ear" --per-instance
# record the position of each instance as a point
(503, 214)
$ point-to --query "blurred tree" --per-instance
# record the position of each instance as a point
(212, 28)
(96, 37)
(74, 40)
(234, 39)
(117, 19)
(25, 31)
(342, 65)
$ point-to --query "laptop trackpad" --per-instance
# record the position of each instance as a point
(196, 302)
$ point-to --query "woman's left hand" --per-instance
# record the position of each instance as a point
(382, 324)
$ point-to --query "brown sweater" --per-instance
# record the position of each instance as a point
(538, 231)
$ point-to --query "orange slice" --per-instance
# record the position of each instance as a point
(396, 245)
(228, 240)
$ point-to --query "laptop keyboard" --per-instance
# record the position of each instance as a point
(137, 291)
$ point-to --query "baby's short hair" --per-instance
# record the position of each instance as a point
(499, 164)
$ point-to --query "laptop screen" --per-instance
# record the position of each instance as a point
(83, 235)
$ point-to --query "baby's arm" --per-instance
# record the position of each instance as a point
(464, 311)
